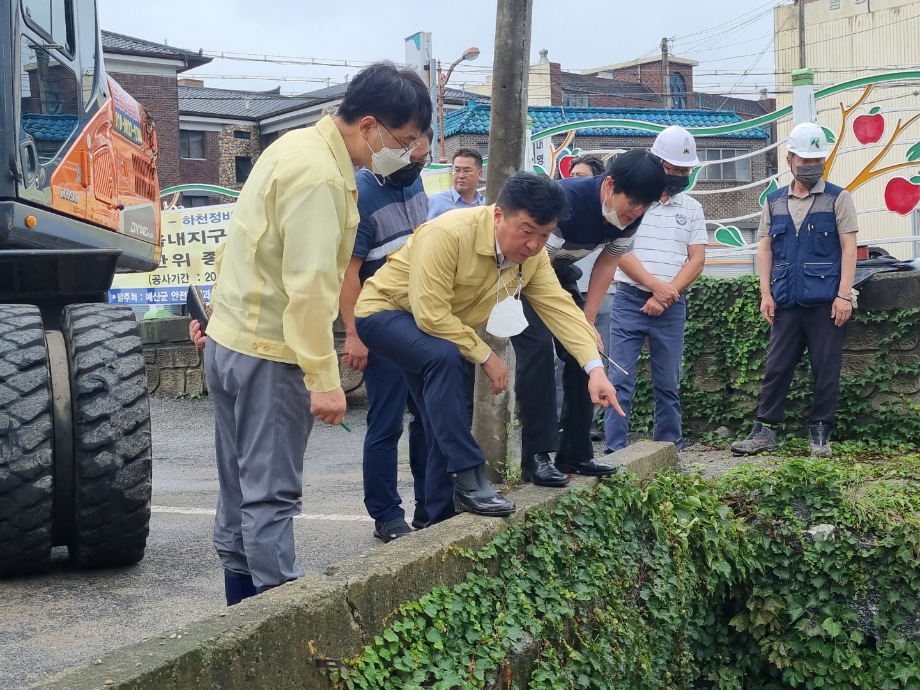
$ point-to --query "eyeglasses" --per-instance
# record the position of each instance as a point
(680, 172)
(633, 205)
(410, 147)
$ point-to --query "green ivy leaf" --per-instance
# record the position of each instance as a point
(730, 236)
(772, 187)
(832, 627)
(913, 153)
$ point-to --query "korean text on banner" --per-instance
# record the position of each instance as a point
(190, 240)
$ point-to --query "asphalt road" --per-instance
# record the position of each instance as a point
(67, 617)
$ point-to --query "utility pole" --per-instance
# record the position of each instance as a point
(493, 414)
(665, 73)
(801, 4)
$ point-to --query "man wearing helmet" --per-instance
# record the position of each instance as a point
(806, 262)
(667, 256)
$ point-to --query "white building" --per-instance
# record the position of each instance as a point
(857, 40)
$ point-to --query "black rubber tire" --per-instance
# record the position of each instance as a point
(26, 481)
(111, 418)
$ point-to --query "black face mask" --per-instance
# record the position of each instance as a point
(405, 177)
(675, 184)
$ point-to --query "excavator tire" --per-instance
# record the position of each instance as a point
(25, 442)
(111, 419)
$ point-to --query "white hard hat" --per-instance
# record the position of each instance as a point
(676, 146)
(807, 140)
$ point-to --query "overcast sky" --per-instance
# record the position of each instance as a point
(732, 39)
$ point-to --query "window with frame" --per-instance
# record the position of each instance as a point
(678, 91)
(191, 144)
(577, 101)
(243, 168)
(242, 134)
(734, 171)
(54, 18)
(194, 201)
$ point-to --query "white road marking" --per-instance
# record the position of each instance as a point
(330, 517)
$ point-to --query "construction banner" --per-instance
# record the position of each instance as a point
(190, 239)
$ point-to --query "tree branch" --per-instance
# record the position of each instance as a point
(845, 116)
(869, 172)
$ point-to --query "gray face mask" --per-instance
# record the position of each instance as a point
(809, 175)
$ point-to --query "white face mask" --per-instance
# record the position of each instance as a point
(387, 161)
(507, 318)
(611, 216)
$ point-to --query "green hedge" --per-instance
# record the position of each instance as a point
(726, 340)
(682, 583)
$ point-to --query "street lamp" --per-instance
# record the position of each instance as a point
(468, 54)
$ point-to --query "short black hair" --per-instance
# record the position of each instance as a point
(394, 96)
(637, 174)
(469, 153)
(537, 195)
(592, 161)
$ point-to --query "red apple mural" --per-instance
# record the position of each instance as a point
(869, 128)
(565, 165)
(902, 195)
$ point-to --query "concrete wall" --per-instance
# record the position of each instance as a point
(281, 639)
(174, 365)
(885, 291)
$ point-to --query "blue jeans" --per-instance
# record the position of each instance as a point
(436, 374)
(387, 396)
(629, 328)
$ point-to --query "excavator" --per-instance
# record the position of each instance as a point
(79, 201)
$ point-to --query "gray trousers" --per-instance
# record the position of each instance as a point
(262, 423)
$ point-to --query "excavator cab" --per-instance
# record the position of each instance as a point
(79, 200)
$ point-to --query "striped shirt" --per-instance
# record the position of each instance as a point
(389, 215)
(663, 237)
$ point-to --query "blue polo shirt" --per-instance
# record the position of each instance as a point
(448, 200)
(389, 215)
(584, 229)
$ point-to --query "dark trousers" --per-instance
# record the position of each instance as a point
(793, 330)
(535, 389)
(436, 374)
(387, 396)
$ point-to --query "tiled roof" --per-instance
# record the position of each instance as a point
(742, 106)
(474, 119)
(591, 86)
(128, 45)
(245, 105)
(49, 127)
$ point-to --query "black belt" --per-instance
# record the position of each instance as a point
(633, 290)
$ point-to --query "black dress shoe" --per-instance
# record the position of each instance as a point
(420, 518)
(597, 435)
(474, 494)
(589, 468)
(539, 470)
(388, 530)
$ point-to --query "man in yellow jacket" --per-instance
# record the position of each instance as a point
(457, 273)
(270, 360)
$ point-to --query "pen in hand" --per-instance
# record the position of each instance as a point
(614, 363)
(345, 425)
